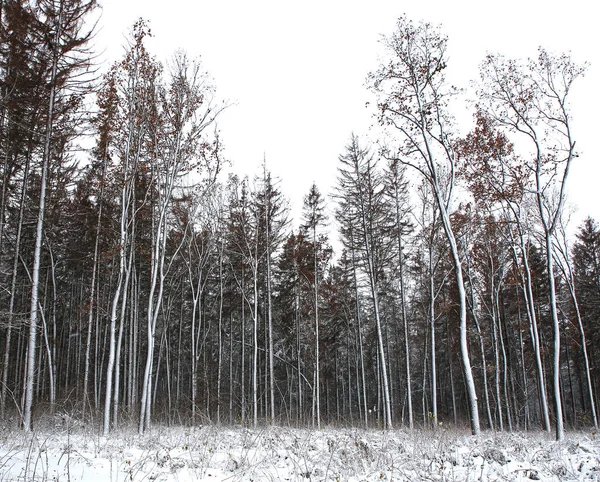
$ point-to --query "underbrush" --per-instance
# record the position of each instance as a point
(70, 451)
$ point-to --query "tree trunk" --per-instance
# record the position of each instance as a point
(86, 376)
(316, 308)
(404, 317)
(360, 345)
(39, 233)
(13, 291)
(464, 347)
(432, 341)
(527, 282)
(560, 429)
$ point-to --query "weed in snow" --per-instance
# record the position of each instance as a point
(278, 453)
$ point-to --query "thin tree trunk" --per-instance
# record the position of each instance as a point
(381, 348)
(243, 349)
(39, 233)
(432, 341)
(424, 377)
(299, 355)
(526, 416)
(86, 376)
(112, 327)
(196, 293)
(560, 429)
(230, 366)
(404, 321)
(270, 320)
(464, 347)
(316, 308)
(484, 368)
(220, 341)
(496, 366)
(117, 375)
(51, 343)
(504, 364)
(360, 343)
(13, 291)
(535, 337)
(255, 344)
(570, 281)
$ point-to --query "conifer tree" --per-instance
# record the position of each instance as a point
(62, 40)
(314, 216)
(365, 223)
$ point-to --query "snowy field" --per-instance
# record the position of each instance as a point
(212, 453)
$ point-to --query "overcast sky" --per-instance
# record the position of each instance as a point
(295, 71)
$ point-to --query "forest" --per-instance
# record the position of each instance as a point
(143, 282)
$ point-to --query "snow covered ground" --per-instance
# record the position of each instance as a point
(211, 453)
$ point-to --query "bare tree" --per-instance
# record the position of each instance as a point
(413, 105)
(135, 78)
(498, 180)
(178, 144)
(532, 100)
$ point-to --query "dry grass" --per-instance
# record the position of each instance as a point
(73, 453)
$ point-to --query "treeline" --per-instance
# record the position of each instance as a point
(139, 285)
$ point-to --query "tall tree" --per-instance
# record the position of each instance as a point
(497, 179)
(532, 100)
(135, 84)
(105, 124)
(178, 144)
(413, 104)
(62, 27)
(314, 216)
(364, 217)
(397, 191)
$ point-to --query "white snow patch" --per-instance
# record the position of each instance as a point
(213, 453)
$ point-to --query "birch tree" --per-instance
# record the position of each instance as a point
(565, 265)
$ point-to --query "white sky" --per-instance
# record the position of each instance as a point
(296, 70)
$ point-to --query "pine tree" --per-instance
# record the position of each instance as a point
(365, 223)
(314, 216)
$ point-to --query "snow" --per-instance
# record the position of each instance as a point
(211, 453)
